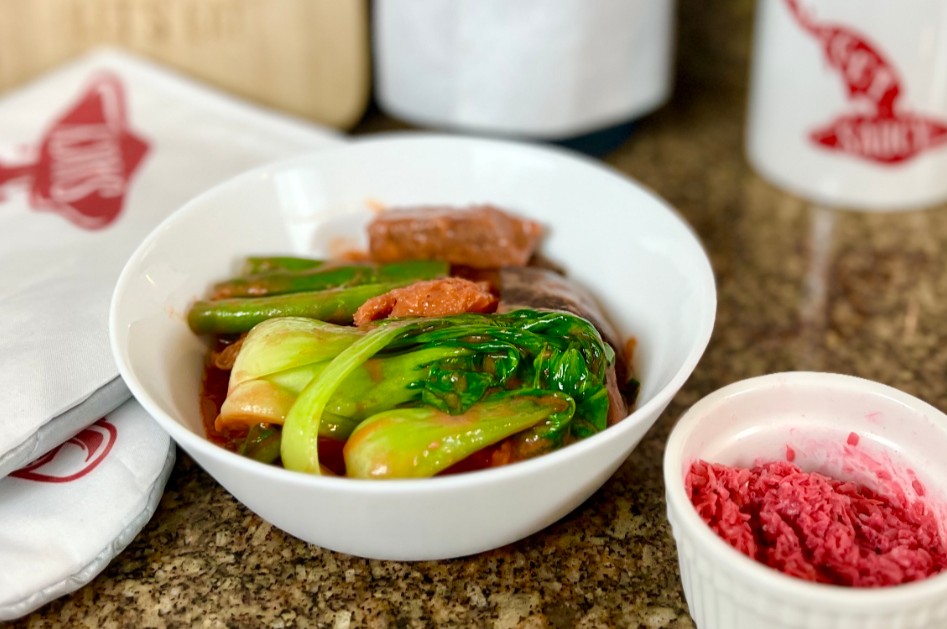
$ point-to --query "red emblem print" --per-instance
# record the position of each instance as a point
(85, 160)
(885, 133)
(74, 458)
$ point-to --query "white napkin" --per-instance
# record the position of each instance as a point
(66, 515)
(92, 157)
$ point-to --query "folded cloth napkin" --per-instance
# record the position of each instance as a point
(67, 514)
(92, 156)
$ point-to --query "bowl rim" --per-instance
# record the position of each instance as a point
(188, 439)
(681, 511)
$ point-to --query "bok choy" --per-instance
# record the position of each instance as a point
(416, 396)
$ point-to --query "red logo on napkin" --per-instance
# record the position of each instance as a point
(74, 458)
(86, 159)
(883, 134)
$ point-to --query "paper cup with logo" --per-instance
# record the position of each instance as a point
(848, 101)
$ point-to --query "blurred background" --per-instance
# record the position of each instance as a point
(800, 287)
(335, 63)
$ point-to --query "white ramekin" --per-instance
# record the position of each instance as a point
(813, 414)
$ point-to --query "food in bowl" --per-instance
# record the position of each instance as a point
(443, 351)
(644, 265)
(814, 527)
(863, 433)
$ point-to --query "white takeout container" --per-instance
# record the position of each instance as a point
(814, 414)
(620, 241)
(530, 68)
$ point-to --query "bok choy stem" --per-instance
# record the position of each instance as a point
(422, 441)
(300, 444)
(377, 384)
(326, 379)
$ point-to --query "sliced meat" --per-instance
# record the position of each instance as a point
(543, 289)
(532, 287)
(430, 298)
(480, 236)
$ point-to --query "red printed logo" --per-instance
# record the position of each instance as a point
(85, 160)
(885, 133)
(74, 458)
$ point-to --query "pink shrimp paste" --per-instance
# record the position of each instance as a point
(816, 528)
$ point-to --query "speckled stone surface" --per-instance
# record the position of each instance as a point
(799, 288)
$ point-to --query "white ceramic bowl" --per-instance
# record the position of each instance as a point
(814, 414)
(626, 245)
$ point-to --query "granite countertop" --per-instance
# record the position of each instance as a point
(799, 288)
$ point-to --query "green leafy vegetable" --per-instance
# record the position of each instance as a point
(448, 365)
(281, 356)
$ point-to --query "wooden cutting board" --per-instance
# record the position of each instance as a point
(307, 57)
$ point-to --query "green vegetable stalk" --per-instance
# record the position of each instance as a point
(422, 441)
(330, 293)
(241, 314)
(300, 446)
(328, 276)
(254, 265)
(535, 353)
(285, 343)
(280, 357)
(262, 443)
(462, 382)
